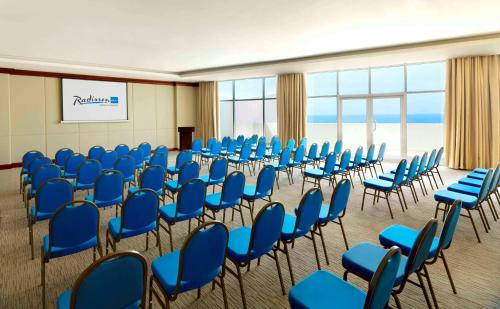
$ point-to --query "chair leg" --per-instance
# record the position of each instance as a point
(323, 243)
(431, 289)
(396, 299)
(242, 290)
(424, 290)
(474, 226)
(224, 296)
(150, 299)
(241, 214)
(289, 263)
(303, 183)
(403, 197)
(343, 234)
(315, 249)
(492, 208)
(439, 174)
(448, 273)
(363, 201)
(171, 238)
(278, 268)
(388, 204)
(158, 240)
(400, 202)
(43, 278)
(30, 226)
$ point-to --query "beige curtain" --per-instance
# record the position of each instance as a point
(472, 112)
(207, 111)
(292, 106)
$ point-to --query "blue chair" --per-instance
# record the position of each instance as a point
(122, 150)
(274, 139)
(318, 174)
(108, 190)
(217, 173)
(243, 159)
(138, 156)
(95, 152)
(366, 162)
(240, 140)
(199, 261)
(182, 157)
(383, 188)
(469, 202)
(210, 141)
(281, 165)
(258, 155)
(73, 228)
(86, 175)
(437, 162)
(72, 164)
(188, 170)
(311, 155)
(261, 139)
(428, 168)
(341, 168)
(162, 149)
(380, 157)
(250, 243)
(355, 166)
(335, 212)
(26, 160)
(290, 144)
(61, 156)
(296, 162)
(146, 151)
(123, 275)
(159, 159)
(325, 148)
(212, 154)
(32, 167)
(299, 225)
(337, 148)
(409, 178)
(404, 237)
(322, 289)
(230, 197)
(303, 142)
(40, 175)
(262, 190)
(274, 153)
(230, 150)
(362, 260)
(139, 216)
(225, 142)
(51, 195)
(189, 205)
(126, 165)
(153, 177)
(108, 159)
(196, 147)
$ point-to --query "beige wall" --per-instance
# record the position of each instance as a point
(30, 115)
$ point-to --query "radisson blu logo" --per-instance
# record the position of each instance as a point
(95, 100)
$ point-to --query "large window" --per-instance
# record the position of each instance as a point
(248, 106)
(402, 105)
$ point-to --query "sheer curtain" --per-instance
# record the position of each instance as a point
(292, 106)
(472, 112)
(207, 111)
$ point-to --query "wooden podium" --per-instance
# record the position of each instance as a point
(185, 137)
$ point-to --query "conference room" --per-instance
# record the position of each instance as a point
(264, 154)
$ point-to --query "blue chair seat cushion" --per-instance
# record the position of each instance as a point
(254, 157)
(288, 227)
(448, 197)
(307, 161)
(40, 215)
(211, 181)
(69, 175)
(322, 289)
(325, 217)
(167, 212)
(82, 186)
(129, 178)
(277, 166)
(239, 240)
(476, 176)
(63, 251)
(172, 170)
(337, 170)
(172, 185)
(249, 193)
(471, 182)
(480, 170)
(404, 237)
(114, 228)
(226, 153)
(364, 259)
(63, 302)
(212, 201)
(293, 163)
(313, 173)
(378, 184)
(464, 189)
(209, 155)
(115, 201)
(236, 159)
(135, 189)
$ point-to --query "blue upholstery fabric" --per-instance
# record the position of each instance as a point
(249, 193)
(211, 181)
(72, 164)
(182, 157)
(190, 202)
(63, 251)
(480, 170)
(126, 165)
(50, 196)
(95, 152)
(167, 212)
(108, 159)
(448, 197)
(114, 228)
(313, 172)
(86, 174)
(61, 156)
(102, 203)
(404, 237)
(239, 240)
(476, 176)
(288, 228)
(378, 184)
(323, 290)
(122, 150)
(338, 202)
(465, 189)
(471, 182)
(196, 147)
(213, 200)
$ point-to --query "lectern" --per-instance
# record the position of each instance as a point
(185, 137)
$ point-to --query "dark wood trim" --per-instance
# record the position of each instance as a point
(94, 77)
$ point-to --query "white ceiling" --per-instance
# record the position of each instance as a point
(175, 39)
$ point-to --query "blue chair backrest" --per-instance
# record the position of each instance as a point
(338, 146)
(423, 163)
(400, 173)
(95, 152)
(62, 155)
(303, 142)
(265, 180)
(146, 149)
(73, 223)
(137, 154)
(339, 200)
(485, 187)
(412, 170)
(266, 229)
(88, 171)
(274, 139)
(122, 274)
(159, 159)
(162, 149)
(344, 159)
(191, 196)
(231, 148)
(153, 178)
(215, 148)
(275, 150)
(246, 151)
(210, 142)
(52, 194)
(329, 164)
(495, 180)
(261, 150)
(197, 145)
(36, 163)
(381, 152)
(382, 282)
(308, 210)
(73, 162)
(240, 140)
(108, 159)
(126, 165)
(285, 156)
(432, 159)
(203, 255)
(450, 224)
(183, 157)
(29, 156)
(313, 151)
(299, 154)
(358, 155)
(108, 186)
(370, 153)
(421, 247)
(233, 187)
(291, 143)
(218, 169)
(122, 150)
(439, 156)
(139, 210)
(324, 150)
(262, 139)
(225, 141)
(188, 170)
(44, 172)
